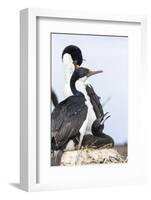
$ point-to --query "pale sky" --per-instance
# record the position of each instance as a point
(109, 54)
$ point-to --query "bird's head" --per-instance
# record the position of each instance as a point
(72, 59)
(98, 124)
(83, 73)
(72, 55)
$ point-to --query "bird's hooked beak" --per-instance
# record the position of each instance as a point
(91, 73)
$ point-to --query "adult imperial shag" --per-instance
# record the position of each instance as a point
(72, 58)
(69, 118)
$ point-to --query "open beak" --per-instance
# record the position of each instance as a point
(91, 73)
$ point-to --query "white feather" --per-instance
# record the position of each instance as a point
(70, 146)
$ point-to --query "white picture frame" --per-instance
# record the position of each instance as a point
(29, 148)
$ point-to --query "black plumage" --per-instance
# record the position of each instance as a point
(95, 101)
(99, 138)
(66, 120)
(75, 53)
(98, 125)
(91, 141)
(98, 131)
(54, 98)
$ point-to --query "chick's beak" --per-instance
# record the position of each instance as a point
(91, 73)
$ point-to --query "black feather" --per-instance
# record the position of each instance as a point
(66, 120)
(54, 98)
(95, 101)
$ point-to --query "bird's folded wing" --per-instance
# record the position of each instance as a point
(66, 120)
(95, 100)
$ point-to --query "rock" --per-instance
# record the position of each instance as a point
(91, 156)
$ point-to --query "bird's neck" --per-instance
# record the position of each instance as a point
(68, 74)
(73, 86)
(68, 67)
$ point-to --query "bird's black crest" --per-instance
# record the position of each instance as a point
(75, 53)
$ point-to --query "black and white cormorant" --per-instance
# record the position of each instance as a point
(72, 58)
(69, 119)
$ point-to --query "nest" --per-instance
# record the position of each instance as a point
(92, 156)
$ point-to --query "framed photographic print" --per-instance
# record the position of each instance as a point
(82, 78)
